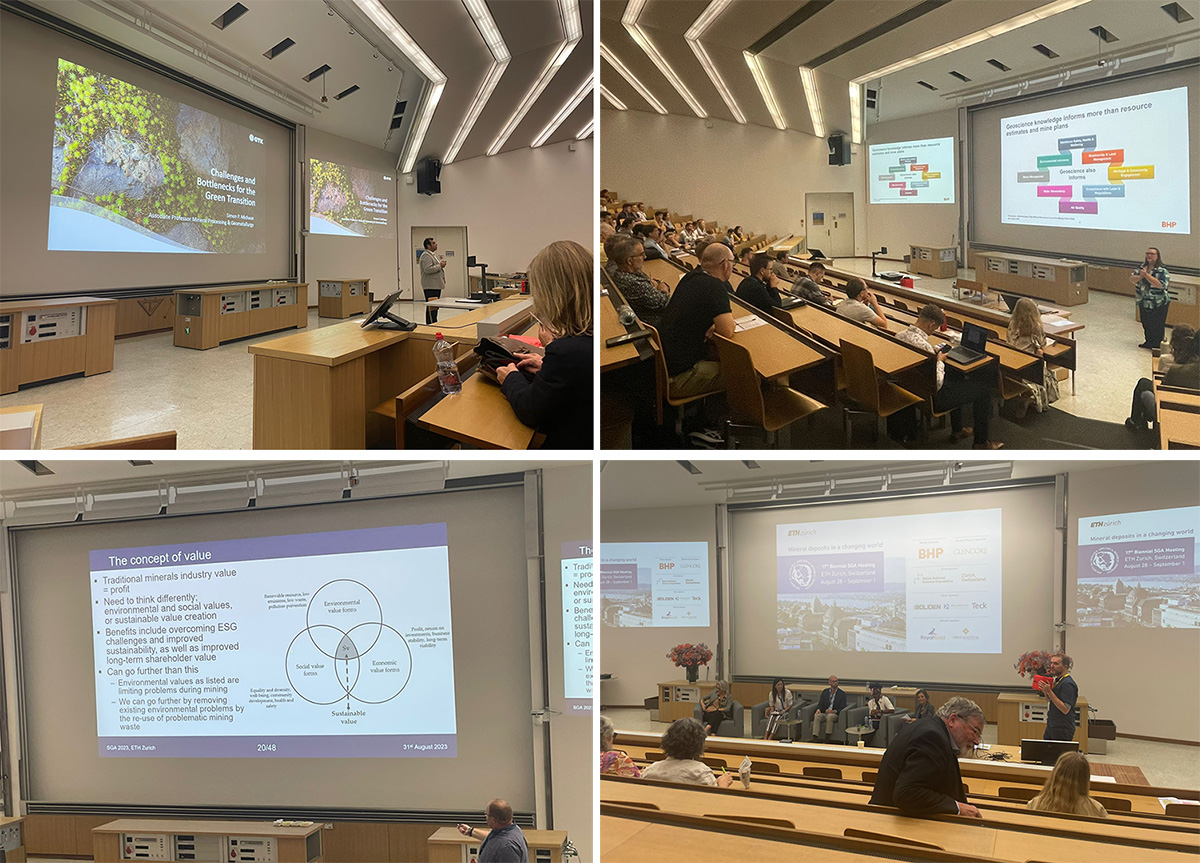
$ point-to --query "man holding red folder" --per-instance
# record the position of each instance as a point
(1062, 694)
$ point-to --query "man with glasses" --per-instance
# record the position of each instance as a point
(919, 771)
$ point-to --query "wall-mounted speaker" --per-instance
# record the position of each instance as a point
(839, 149)
(428, 174)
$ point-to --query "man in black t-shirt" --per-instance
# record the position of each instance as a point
(699, 306)
(755, 289)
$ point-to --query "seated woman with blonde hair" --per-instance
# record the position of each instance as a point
(1066, 790)
(1025, 332)
(614, 761)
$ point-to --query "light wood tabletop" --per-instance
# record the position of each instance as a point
(480, 416)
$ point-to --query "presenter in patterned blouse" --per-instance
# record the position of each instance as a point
(1150, 284)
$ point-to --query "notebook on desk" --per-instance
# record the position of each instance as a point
(974, 340)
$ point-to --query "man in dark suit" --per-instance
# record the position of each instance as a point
(919, 771)
(832, 702)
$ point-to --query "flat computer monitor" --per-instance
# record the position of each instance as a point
(1046, 751)
(383, 319)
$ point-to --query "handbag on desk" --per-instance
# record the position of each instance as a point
(500, 351)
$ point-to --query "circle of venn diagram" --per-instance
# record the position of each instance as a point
(346, 651)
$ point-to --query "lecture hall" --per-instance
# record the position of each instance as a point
(945, 225)
(296, 662)
(237, 225)
(900, 660)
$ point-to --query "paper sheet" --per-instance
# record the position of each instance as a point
(740, 325)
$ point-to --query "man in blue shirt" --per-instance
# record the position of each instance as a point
(1062, 694)
(503, 841)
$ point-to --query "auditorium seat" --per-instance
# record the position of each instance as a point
(1012, 793)
(734, 727)
(758, 718)
(890, 727)
(822, 772)
(750, 406)
(1183, 810)
(870, 776)
(1113, 804)
(865, 393)
(855, 833)
(848, 718)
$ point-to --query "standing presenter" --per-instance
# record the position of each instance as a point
(1062, 694)
(1150, 285)
(433, 277)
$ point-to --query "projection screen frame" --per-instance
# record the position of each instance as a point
(967, 213)
(724, 526)
(530, 484)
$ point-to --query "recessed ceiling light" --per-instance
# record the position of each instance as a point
(764, 88)
(624, 72)
(809, 79)
(565, 111)
(689, 467)
(927, 85)
(856, 114)
(1044, 51)
(277, 49)
(36, 468)
(629, 20)
(1177, 12)
(999, 65)
(486, 25)
(234, 12)
(572, 33)
(959, 75)
(693, 35)
(587, 129)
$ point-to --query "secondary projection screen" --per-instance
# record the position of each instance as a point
(345, 201)
(1139, 569)
(115, 176)
(1070, 172)
(333, 603)
(912, 172)
(937, 588)
(654, 583)
(577, 595)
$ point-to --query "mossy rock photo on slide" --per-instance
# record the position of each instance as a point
(134, 157)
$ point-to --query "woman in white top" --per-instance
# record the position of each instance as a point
(779, 702)
(683, 744)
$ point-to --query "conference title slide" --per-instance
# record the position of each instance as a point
(654, 583)
(577, 594)
(134, 171)
(1114, 165)
(350, 202)
(908, 584)
(318, 645)
(1139, 569)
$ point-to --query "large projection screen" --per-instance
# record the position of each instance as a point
(949, 567)
(1100, 205)
(115, 176)
(489, 612)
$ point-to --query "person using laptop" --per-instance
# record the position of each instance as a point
(953, 391)
(1062, 694)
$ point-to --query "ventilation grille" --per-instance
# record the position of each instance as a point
(318, 72)
(352, 88)
(1103, 34)
(234, 12)
(1177, 12)
(275, 51)
(927, 85)
(1044, 51)
(960, 76)
(999, 65)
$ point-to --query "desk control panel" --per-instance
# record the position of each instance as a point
(232, 304)
(40, 325)
(6, 325)
(285, 296)
(1033, 711)
(145, 846)
(251, 849)
(330, 289)
(203, 848)
(10, 837)
(260, 299)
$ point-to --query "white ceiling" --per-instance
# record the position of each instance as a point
(852, 39)
(648, 484)
(532, 30)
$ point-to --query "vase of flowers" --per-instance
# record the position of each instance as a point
(690, 657)
(1033, 662)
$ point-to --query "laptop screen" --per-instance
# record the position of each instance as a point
(974, 337)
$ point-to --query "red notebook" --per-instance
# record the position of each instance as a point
(1037, 681)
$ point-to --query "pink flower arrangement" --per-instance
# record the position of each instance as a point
(1033, 662)
(690, 655)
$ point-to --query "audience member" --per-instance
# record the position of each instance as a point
(1181, 368)
(807, 287)
(683, 744)
(614, 761)
(1026, 333)
(919, 771)
(924, 708)
(691, 234)
(728, 240)
(779, 702)
(953, 391)
(557, 398)
(1066, 790)
(645, 296)
(639, 211)
(610, 245)
(607, 229)
(878, 706)
(503, 841)
(860, 304)
(671, 244)
(779, 267)
(715, 707)
(755, 289)
(744, 256)
(625, 225)
(738, 236)
(649, 233)
(698, 308)
(831, 703)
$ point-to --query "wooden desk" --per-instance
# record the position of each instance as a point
(938, 262)
(479, 416)
(12, 838)
(1015, 718)
(447, 845)
(343, 298)
(207, 317)
(1178, 417)
(1059, 280)
(32, 349)
(610, 327)
(146, 314)
(315, 390)
(36, 436)
(292, 844)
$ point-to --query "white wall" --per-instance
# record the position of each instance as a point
(637, 656)
(329, 257)
(898, 225)
(513, 205)
(740, 175)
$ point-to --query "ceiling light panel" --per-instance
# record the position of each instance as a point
(624, 72)
(693, 35)
(501, 56)
(629, 20)
(809, 79)
(565, 111)
(572, 33)
(856, 114)
(586, 130)
(764, 87)
(399, 37)
(616, 103)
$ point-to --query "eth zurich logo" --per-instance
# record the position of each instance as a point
(1104, 560)
(802, 575)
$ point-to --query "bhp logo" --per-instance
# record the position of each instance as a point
(666, 566)
(1169, 224)
(929, 553)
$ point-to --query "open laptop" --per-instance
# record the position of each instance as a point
(974, 340)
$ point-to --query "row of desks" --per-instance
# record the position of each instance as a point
(1178, 413)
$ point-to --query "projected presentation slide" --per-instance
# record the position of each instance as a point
(310, 646)
(1139, 569)
(654, 583)
(1116, 165)
(577, 625)
(903, 584)
(350, 202)
(134, 171)
(912, 172)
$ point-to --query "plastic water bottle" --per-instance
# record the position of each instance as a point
(625, 315)
(447, 370)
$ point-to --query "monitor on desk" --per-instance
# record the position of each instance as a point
(1046, 751)
(383, 319)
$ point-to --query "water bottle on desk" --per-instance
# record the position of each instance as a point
(447, 369)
